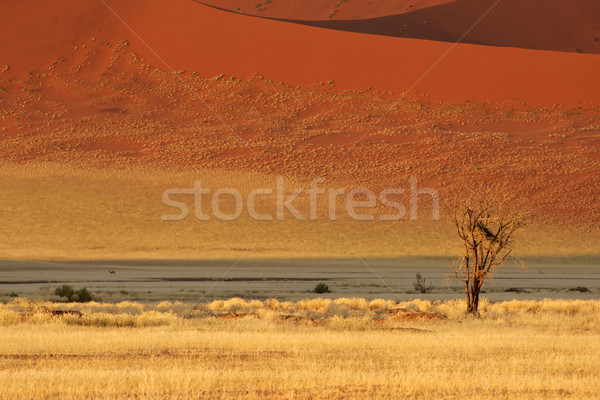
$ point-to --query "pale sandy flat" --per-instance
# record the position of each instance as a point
(292, 279)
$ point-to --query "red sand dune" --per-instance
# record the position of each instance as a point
(572, 26)
(323, 9)
(77, 94)
(190, 36)
(37, 33)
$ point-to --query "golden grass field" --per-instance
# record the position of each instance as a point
(320, 348)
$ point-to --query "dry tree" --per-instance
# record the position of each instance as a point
(486, 221)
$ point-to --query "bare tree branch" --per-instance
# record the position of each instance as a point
(486, 226)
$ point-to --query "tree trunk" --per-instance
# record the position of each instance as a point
(476, 302)
(473, 301)
(469, 298)
(470, 307)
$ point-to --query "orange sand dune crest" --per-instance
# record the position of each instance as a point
(190, 36)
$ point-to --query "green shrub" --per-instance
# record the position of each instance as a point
(83, 296)
(65, 291)
(80, 296)
(321, 288)
(420, 284)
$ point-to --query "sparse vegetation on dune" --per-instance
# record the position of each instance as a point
(308, 134)
(77, 154)
(314, 348)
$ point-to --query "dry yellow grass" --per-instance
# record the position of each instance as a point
(319, 348)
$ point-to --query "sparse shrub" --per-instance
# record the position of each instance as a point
(339, 309)
(347, 307)
(420, 284)
(80, 296)
(13, 294)
(381, 305)
(235, 305)
(216, 305)
(65, 291)
(130, 307)
(581, 289)
(267, 314)
(83, 296)
(165, 305)
(255, 305)
(318, 304)
(272, 304)
(352, 303)
(287, 306)
(321, 288)
(417, 305)
(155, 318)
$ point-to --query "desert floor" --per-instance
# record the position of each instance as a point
(294, 279)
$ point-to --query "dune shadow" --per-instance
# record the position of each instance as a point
(534, 24)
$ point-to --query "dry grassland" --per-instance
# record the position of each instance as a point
(319, 348)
